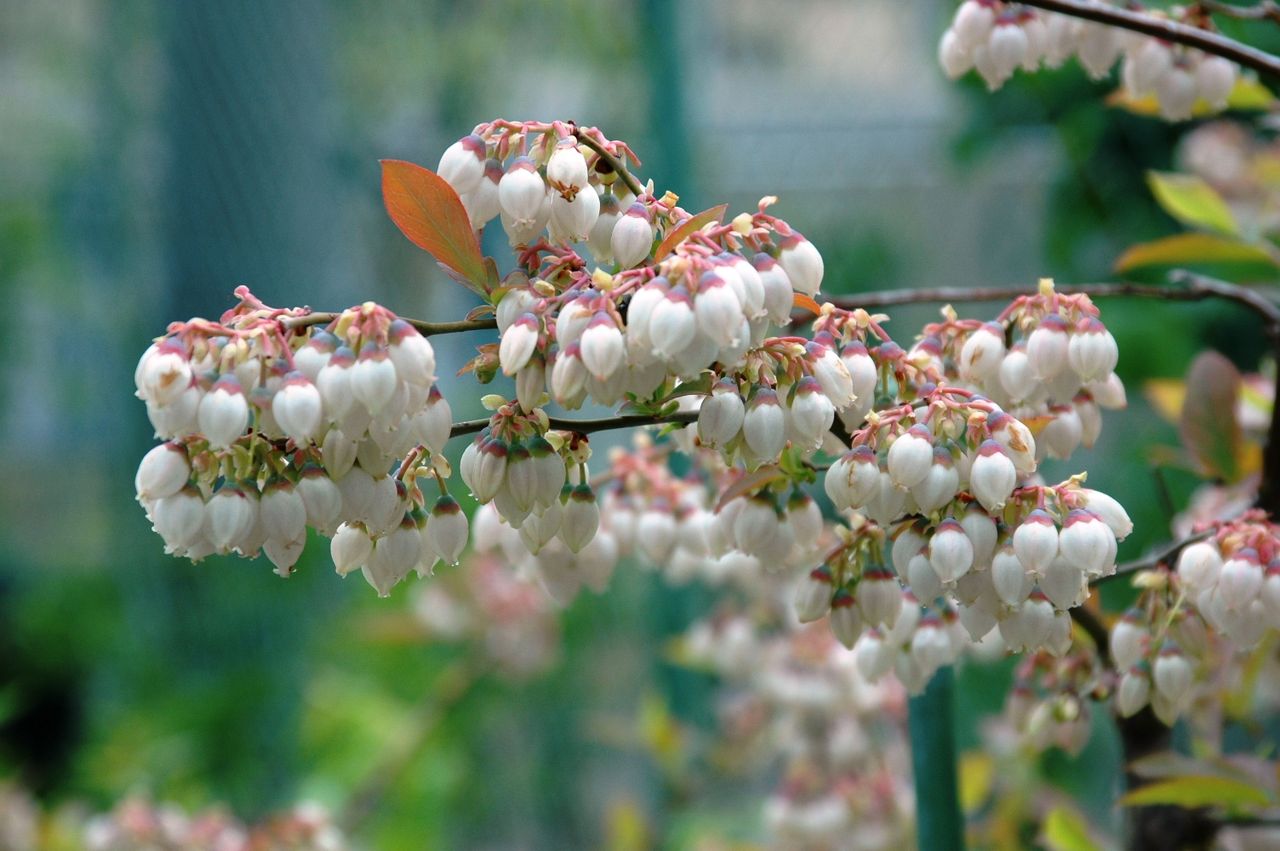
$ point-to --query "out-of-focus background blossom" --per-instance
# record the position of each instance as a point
(155, 155)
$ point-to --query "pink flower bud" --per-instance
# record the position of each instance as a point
(571, 221)
(721, 414)
(672, 324)
(179, 519)
(813, 595)
(334, 384)
(982, 533)
(764, 425)
(1064, 583)
(1006, 48)
(1129, 640)
(1047, 347)
(1215, 79)
(350, 548)
(992, 476)
(982, 353)
(447, 529)
(521, 192)
(939, 485)
(879, 596)
(1111, 512)
(907, 545)
(163, 373)
(717, 310)
(1010, 579)
(602, 350)
(655, 534)
(581, 518)
(973, 22)
(1134, 690)
(853, 479)
(632, 237)
(600, 238)
(483, 203)
(549, 471)
(811, 413)
(953, 55)
(490, 469)
(1092, 352)
(922, 577)
(414, 359)
(1036, 541)
(779, 297)
(518, 344)
(1240, 579)
(297, 409)
(846, 620)
(314, 356)
(373, 378)
(1172, 674)
(1016, 377)
(1109, 393)
(887, 503)
(950, 551)
(462, 164)
(540, 527)
(910, 456)
(229, 517)
(321, 498)
(163, 472)
(432, 425)
(802, 263)
(1015, 437)
(284, 514)
(756, 526)
(223, 413)
(567, 169)
(569, 377)
(930, 645)
(1086, 542)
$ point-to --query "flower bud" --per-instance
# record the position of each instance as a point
(1047, 347)
(571, 221)
(764, 425)
(490, 469)
(321, 498)
(540, 527)
(412, 354)
(879, 596)
(910, 456)
(982, 353)
(1036, 541)
(334, 384)
(779, 296)
(601, 348)
(846, 620)
(950, 551)
(1240, 579)
(521, 193)
(223, 413)
(813, 595)
(1129, 640)
(462, 164)
(350, 548)
(1016, 377)
(853, 479)
(655, 534)
(672, 324)
(992, 476)
(229, 517)
(632, 237)
(600, 239)
(549, 471)
(1172, 674)
(373, 378)
(567, 169)
(973, 22)
(518, 343)
(1134, 691)
(1008, 576)
(1092, 352)
(811, 413)
(163, 472)
(447, 529)
(297, 408)
(922, 577)
(1086, 542)
(939, 485)
(982, 533)
(721, 414)
(1006, 48)
(581, 518)
(802, 263)
(1111, 512)
(1064, 583)
(179, 518)
(1176, 91)
(569, 377)
(1215, 79)
(284, 514)
(953, 55)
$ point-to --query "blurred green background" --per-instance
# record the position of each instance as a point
(155, 155)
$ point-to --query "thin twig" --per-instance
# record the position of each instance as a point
(613, 162)
(1166, 30)
(427, 329)
(1263, 10)
(589, 426)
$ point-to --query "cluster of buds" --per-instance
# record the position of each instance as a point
(508, 621)
(1050, 703)
(137, 823)
(274, 424)
(1222, 597)
(996, 38)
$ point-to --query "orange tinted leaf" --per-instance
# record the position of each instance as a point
(1186, 248)
(427, 211)
(1208, 425)
(688, 227)
(807, 302)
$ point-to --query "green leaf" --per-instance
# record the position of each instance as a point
(1192, 201)
(1208, 425)
(1066, 830)
(687, 228)
(1250, 94)
(1198, 791)
(1186, 248)
(429, 212)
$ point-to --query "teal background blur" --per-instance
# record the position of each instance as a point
(155, 155)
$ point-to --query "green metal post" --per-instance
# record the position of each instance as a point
(931, 720)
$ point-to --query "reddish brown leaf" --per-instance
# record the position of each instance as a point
(427, 211)
(751, 483)
(688, 227)
(807, 302)
(1208, 425)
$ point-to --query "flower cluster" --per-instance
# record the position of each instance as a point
(1223, 596)
(273, 425)
(1051, 701)
(996, 38)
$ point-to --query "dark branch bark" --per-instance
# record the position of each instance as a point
(589, 426)
(425, 328)
(1141, 22)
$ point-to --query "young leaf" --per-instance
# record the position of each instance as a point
(751, 483)
(1192, 201)
(1208, 425)
(1183, 248)
(427, 211)
(687, 229)
(1066, 830)
(1197, 791)
(807, 302)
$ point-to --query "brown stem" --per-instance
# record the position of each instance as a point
(614, 163)
(427, 329)
(1166, 30)
(589, 426)
(1264, 10)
